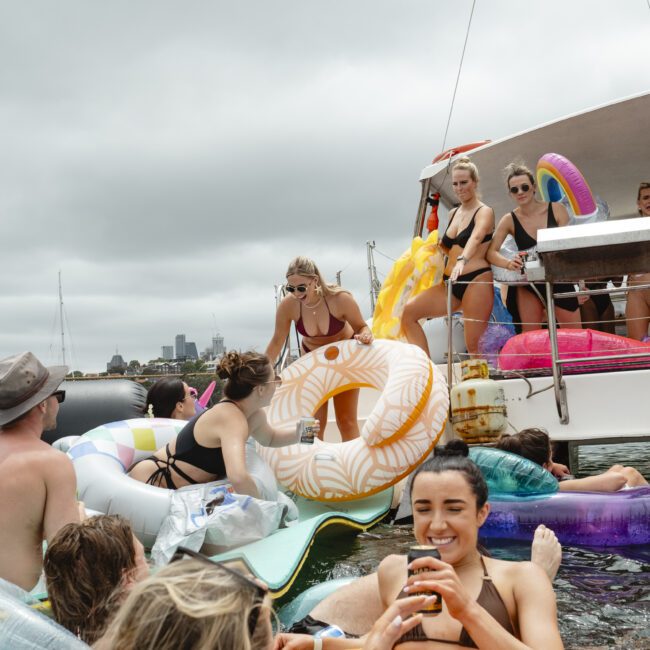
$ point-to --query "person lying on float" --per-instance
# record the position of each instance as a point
(535, 445)
(212, 446)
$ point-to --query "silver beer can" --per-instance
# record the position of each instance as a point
(307, 430)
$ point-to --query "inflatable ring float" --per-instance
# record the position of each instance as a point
(403, 427)
(556, 175)
(418, 268)
(102, 456)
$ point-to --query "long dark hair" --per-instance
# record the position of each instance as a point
(164, 395)
(453, 457)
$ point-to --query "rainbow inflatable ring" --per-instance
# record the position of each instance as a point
(558, 176)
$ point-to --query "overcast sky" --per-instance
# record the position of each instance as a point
(170, 158)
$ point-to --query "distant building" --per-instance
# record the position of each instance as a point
(180, 346)
(116, 365)
(218, 347)
(190, 350)
(167, 352)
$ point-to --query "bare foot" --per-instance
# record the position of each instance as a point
(546, 551)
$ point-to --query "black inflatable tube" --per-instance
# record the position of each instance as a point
(90, 403)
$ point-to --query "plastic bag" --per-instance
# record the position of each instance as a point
(212, 514)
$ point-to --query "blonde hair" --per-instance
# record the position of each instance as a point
(306, 267)
(465, 164)
(187, 604)
(517, 168)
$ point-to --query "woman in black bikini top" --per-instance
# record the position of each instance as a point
(487, 603)
(212, 445)
(530, 215)
(323, 313)
(465, 242)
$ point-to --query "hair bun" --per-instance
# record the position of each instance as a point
(452, 448)
(230, 364)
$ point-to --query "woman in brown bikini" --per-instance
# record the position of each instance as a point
(323, 313)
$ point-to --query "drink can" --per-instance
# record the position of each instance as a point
(523, 255)
(307, 430)
(330, 632)
(416, 552)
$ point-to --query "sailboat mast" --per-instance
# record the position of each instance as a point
(61, 319)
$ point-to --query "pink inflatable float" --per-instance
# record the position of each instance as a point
(533, 349)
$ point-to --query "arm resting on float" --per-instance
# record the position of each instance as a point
(352, 315)
(233, 447)
(607, 482)
(283, 322)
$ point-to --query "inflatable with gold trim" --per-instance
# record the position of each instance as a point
(418, 268)
(403, 427)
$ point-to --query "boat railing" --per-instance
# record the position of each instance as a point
(595, 363)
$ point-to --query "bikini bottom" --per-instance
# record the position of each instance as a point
(458, 290)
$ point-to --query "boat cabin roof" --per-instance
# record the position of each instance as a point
(609, 144)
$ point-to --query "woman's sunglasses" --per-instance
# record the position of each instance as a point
(515, 189)
(260, 592)
(301, 288)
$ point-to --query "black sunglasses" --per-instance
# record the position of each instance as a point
(260, 592)
(60, 396)
(301, 288)
(515, 189)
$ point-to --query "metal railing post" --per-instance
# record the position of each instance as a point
(558, 382)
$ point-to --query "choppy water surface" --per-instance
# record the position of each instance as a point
(603, 595)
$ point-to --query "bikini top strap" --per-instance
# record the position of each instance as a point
(486, 575)
(550, 219)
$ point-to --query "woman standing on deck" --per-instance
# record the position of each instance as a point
(522, 223)
(637, 310)
(465, 242)
(323, 313)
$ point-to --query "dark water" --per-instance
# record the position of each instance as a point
(603, 595)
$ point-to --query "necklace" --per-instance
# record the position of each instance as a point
(313, 307)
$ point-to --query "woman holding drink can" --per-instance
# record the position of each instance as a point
(323, 313)
(522, 223)
(463, 599)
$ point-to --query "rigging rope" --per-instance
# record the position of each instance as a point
(460, 67)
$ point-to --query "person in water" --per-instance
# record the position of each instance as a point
(89, 569)
(212, 445)
(171, 397)
(522, 223)
(323, 313)
(465, 243)
(535, 444)
(37, 482)
(637, 309)
(487, 603)
(193, 603)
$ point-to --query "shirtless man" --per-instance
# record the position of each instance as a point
(37, 483)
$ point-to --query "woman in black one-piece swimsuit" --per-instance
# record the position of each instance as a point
(528, 217)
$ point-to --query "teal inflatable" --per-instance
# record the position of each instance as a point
(507, 473)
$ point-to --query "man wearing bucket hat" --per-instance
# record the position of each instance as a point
(37, 483)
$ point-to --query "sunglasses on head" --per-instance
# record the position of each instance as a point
(59, 395)
(260, 592)
(301, 288)
(515, 189)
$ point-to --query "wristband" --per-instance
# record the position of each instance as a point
(460, 258)
(318, 644)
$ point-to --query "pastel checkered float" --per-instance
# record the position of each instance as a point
(405, 424)
(102, 457)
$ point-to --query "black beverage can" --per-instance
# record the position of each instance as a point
(523, 256)
(416, 552)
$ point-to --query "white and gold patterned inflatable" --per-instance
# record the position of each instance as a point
(401, 430)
